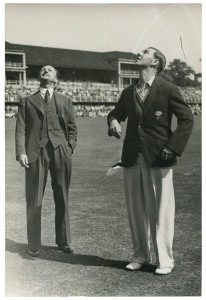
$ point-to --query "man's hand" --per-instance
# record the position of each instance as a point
(167, 154)
(23, 160)
(115, 129)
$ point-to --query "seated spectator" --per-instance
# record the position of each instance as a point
(84, 93)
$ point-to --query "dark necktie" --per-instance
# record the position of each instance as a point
(47, 96)
(142, 90)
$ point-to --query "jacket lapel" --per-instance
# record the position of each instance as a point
(36, 100)
(137, 105)
(59, 101)
(134, 104)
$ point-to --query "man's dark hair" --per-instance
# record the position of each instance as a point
(162, 59)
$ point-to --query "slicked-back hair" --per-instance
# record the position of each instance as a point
(162, 59)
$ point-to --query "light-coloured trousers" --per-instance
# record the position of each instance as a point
(150, 202)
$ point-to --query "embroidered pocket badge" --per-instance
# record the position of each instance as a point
(158, 114)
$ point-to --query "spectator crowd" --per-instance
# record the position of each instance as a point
(192, 95)
(13, 94)
(80, 110)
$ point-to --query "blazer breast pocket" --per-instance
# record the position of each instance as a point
(156, 114)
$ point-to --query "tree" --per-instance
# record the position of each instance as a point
(166, 76)
(178, 72)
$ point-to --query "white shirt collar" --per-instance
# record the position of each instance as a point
(150, 81)
(43, 92)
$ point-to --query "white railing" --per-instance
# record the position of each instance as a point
(71, 85)
(9, 64)
(32, 84)
(83, 98)
(129, 72)
(13, 98)
(79, 98)
(87, 86)
(12, 82)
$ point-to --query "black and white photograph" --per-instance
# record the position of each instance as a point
(102, 117)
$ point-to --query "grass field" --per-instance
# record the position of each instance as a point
(101, 237)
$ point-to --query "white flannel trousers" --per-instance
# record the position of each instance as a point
(150, 202)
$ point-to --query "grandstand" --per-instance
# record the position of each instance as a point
(102, 70)
(93, 80)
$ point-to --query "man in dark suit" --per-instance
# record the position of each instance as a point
(46, 136)
(149, 152)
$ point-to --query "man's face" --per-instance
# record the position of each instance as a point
(48, 73)
(145, 58)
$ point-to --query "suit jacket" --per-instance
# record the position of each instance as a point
(29, 124)
(152, 126)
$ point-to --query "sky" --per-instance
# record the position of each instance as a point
(109, 27)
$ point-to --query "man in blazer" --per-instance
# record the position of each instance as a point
(46, 136)
(149, 152)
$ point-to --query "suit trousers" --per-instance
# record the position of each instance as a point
(151, 210)
(59, 163)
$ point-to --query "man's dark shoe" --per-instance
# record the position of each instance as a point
(34, 253)
(65, 248)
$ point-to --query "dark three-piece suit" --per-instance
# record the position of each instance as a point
(47, 134)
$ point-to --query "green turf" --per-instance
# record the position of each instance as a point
(101, 238)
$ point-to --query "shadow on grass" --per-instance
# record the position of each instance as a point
(53, 254)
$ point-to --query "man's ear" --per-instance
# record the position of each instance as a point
(55, 83)
(155, 62)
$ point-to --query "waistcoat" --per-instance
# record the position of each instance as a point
(51, 130)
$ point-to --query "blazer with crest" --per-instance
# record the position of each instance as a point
(30, 122)
(151, 126)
